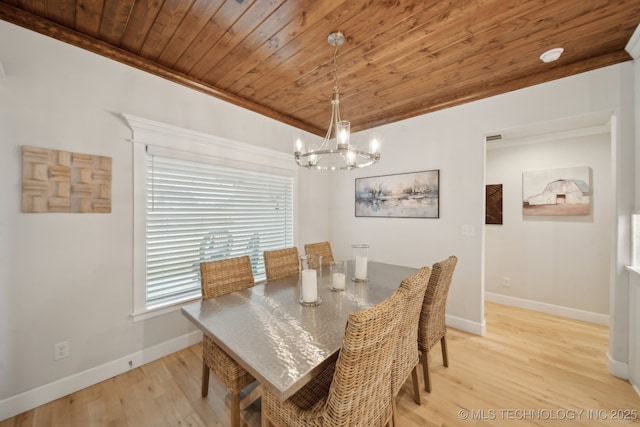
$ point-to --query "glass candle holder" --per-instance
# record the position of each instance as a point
(310, 276)
(338, 275)
(360, 262)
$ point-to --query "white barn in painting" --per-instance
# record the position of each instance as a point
(562, 191)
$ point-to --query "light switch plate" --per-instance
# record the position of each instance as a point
(468, 230)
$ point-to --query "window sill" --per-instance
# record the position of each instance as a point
(160, 311)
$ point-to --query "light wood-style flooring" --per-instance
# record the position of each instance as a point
(531, 369)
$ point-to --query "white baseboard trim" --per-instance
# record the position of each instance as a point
(30, 399)
(558, 310)
(617, 368)
(636, 388)
(466, 325)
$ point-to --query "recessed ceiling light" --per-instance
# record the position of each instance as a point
(551, 55)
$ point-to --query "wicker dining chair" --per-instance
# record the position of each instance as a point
(321, 248)
(219, 278)
(432, 327)
(407, 356)
(281, 263)
(355, 391)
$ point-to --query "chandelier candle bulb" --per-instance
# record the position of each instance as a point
(350, 158)
(374, 142)
(313, 159)
(298, 145)
(343, 130)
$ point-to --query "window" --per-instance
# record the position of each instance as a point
(201, 212)
(199, 198)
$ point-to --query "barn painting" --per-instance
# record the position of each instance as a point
(565, 191)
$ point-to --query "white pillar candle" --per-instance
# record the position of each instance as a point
(309, 286)
(338, 280)
(361, 267)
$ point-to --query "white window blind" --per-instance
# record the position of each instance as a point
(199, 212)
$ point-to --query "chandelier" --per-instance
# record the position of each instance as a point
(337, 153)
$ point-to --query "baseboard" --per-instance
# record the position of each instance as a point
(617, 368)
(466, 325)
(558, 310)
(636, 388)
(28, 400)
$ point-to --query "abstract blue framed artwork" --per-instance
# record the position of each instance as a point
(405, 195)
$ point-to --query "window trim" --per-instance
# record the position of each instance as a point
(173, 141)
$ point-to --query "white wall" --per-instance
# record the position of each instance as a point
(425, 143)
(558, 261)
(633, 47)
(69, 276)
(452, 141)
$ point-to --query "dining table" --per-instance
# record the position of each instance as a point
(281, 342)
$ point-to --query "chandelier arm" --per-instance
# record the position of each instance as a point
(327, 137)
(369, 160)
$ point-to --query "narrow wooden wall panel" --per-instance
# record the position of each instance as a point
(61, 181)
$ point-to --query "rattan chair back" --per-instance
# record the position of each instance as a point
(356, 390)
(360, 393)
(432, 325)
(281, 263)
(322, 249)
(407, 356)
(226, 275)
(218, 278)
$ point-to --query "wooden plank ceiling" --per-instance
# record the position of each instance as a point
(402, 58)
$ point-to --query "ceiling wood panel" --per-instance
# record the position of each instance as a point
(165, 25)
(402, 58)
(141, 18)
(233, 38)
(187, 31)
(256, 47)
(62, 11)
(210, 35)
(89, 16)
(114, 20)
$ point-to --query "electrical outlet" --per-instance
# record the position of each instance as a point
(61, 350)
(506, 281)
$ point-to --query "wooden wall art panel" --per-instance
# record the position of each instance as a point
(493, 204)
(61, 181)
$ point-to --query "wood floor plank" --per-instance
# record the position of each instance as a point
(531, 369)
